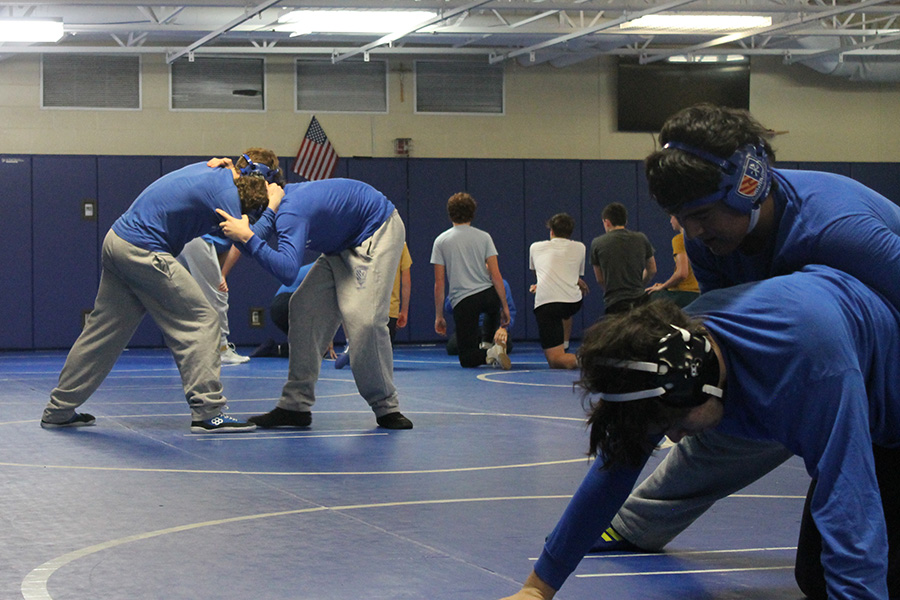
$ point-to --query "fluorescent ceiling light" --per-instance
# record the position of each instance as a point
(699, 22)
(300, 22)
(708, 58)
(30, 30)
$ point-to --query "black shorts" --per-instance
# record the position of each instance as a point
(550, 319)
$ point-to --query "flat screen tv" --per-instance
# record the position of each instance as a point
(649, 94)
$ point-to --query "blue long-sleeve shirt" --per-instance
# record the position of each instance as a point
(822, 219)
(835, 393)
(180, 206)
(327, 216)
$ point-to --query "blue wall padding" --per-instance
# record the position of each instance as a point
(16, 284)
(884, 178)
(64, 247)
(430, 182)
(498, 186)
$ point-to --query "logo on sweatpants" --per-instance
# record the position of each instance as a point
(361, 273)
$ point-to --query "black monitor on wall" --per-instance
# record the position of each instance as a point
(649, 94)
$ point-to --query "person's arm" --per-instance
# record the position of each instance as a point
(405, 292)
(649, 270)
(598, 275)
(846, 503)
(682, 269)
(583, 286)
(440, 325)
(284, 261)
(497, 279)
(589, 513)
(231, 257)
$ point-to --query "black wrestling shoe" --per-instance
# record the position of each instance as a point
(394, 420)
(279, 417)
(77, 420)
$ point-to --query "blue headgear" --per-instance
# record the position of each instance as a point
(685, 374)
(745, 182)
(254, 169)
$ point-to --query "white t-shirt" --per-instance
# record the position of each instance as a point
(558, 264)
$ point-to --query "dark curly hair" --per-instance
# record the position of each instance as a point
(676, 177)
(625, 433)
(253, 193)
(461, 208)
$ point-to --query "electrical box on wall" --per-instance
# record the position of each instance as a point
(89, 210)
(257, 317)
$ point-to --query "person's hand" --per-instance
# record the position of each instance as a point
(330, 353)
(654, 288)
(527, 594)
(533, 288)
(585, 290)
(501, 336)
(219, 162)
(440, 326)
(223, 286)
(237, 230)
(275, 193)
(402, 320)
(534, 589)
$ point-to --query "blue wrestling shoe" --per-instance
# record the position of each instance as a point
(612, 541)
(342, 360)
(221, 423)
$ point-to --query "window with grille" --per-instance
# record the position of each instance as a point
(459, 87)
(97, 81)
(345, 86)
(218, 83)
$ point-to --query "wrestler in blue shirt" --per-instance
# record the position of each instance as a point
(324, 216)
(140, 274)
(834, 395)
(360, 237)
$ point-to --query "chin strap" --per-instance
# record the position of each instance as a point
(754, 219)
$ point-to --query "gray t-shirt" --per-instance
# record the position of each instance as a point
(463, 250)
(622, 256)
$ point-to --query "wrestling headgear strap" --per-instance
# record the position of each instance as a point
(255, 169)
(686, 373)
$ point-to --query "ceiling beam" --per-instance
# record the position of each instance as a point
(727, 39)
(225, 28)
(842, 49)
(589, 30)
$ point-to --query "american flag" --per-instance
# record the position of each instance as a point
(316, 158)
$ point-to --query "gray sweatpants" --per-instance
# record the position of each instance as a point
(199, 257)
(353, 287)
(133, 282)
(698, 471)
